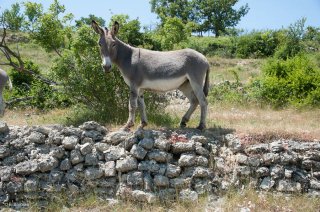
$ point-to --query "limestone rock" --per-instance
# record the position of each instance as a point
(117, 137)
(127, 164)
(70, 142)
(146, 143)
(47, 163)
(173, 171)
(3, 128)
(36, 137)
(138, 152)
(158, 155)
(93, 173)
(187, 160)
(26, 167)
(188, 195)
(161, 181)
(181, 147)
(114, 153)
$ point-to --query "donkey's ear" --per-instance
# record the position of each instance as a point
(115, 28)
(106, 29)
(96, 27)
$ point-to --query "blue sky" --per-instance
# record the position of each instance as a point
(263, 14)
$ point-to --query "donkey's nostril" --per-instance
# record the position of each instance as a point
(106, 67)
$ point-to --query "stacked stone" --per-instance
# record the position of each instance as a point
(282, 165)
(37, 161)
(156, 165)
(147, 165)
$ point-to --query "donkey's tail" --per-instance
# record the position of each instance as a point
(206, 83)
(9, 84)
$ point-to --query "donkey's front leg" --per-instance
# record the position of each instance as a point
(132, 108)
(142, 108)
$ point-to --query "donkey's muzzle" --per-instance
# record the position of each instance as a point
(106, 68)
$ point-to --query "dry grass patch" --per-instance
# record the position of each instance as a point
(225, 69)
(303, 125)
(257, 124)
(253, 200)
(34, 117)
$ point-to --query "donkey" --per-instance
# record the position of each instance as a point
(4, 78)
(142, 69)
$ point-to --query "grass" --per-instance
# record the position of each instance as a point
(225, 69)
(268, 201)
(92, 202)
(232, 200)
(29, 50)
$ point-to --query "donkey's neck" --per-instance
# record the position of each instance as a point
(124, 55)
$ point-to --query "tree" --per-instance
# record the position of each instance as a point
(33, 11)
(208, 15)
(87, 21)
(181, 9)
(13, 18)
(173, 32)
(218, 15)
(130, 29)
(50, 31)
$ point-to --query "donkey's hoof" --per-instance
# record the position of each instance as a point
(201, 127)
(142, 125)
(183, 125)
(125, 129)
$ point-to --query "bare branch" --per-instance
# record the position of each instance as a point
(16, 100)
(4, 34)
(9, 54)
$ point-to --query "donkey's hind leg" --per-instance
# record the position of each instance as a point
(188, 92)
(142, 108)
(198, 91)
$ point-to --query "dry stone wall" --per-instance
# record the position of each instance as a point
(146, 165)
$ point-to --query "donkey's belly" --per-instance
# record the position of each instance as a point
(163, 84)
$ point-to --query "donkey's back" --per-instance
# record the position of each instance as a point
(172, 62)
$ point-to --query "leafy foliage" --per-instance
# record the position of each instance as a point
(13, 18)
(33, 11)
(208, 15)
(50, 31)
(295, 81)
(258, 44)
(181, 9)
(218, 15)
(173, 32)
(88, 20)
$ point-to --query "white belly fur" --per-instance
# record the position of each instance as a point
(163, 84)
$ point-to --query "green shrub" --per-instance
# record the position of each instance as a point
(257, 44)
(22, 81)
(294, 81)
(228, 93)
(34, 92)
(223, 46)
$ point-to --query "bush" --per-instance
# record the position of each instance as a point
(22, 81)
(228, 93)
(257, 44)
(35, 93)
(211, 46)
(295, 81)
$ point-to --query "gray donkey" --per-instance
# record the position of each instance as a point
(4, 78)
(142, 69)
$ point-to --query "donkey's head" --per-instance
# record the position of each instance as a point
(107, 43)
